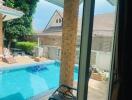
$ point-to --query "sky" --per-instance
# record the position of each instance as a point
(45, 10)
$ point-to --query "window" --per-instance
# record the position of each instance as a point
(56, 20)
(59, 20)
(99, 49)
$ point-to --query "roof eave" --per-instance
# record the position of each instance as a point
(12, 14)
(112, 2)
(56, 3)
(59, 2)
(4, 12)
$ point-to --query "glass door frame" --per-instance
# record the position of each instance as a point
(85, 51)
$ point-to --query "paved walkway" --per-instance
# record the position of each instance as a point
(97, 90)
(20, 60)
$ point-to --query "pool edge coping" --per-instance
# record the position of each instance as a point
(17, 66)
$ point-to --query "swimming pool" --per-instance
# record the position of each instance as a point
(31, 80)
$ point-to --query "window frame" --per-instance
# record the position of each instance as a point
(85, 51)
(57, 21)
(60, 20)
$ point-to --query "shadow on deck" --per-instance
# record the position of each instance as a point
(98, 90)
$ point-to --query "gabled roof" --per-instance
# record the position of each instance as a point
(53, 29)
(60, 13)
(46, 29)
(59, 2)
(103, 25)
(9, 13)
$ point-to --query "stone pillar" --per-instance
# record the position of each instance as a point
(68, 47)
(1, 36)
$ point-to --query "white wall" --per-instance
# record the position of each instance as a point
(51, 52)
(103, 60)
(45, 51)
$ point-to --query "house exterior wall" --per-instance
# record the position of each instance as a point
(51, 52)
(102, 43)
(99, 43)
(99, 59)
(54, 53)
(103, 60)
(101, 40)
(93, 58)
(100, 55)
(53, 40)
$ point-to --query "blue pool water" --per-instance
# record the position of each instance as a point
(23, 83)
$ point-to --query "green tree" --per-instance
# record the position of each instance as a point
(22, 26)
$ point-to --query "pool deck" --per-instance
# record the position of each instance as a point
(97, 90)
(20, 60)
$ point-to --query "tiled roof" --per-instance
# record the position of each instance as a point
(103, 25)
(50, 34)
(53, 29)
(104, 21)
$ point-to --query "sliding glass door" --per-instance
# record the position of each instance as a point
(97, 40)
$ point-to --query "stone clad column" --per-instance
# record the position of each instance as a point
(68, 46)
(1, 36)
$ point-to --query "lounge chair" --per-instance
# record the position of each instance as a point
(7, 57)
(9, 60)
(63, 93)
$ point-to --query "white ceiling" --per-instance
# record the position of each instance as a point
(59, 2)
(113, 2)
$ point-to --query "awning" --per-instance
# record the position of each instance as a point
(9, 13)
(58, 2)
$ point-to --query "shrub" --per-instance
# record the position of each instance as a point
(26, 46)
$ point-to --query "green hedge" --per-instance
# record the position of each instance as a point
(26, 46)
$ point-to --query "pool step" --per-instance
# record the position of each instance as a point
(43, 96)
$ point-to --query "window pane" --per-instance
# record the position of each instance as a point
(56, 20)
(101, 53)
(59, 20)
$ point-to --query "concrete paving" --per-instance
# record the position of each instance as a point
(98, 90)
